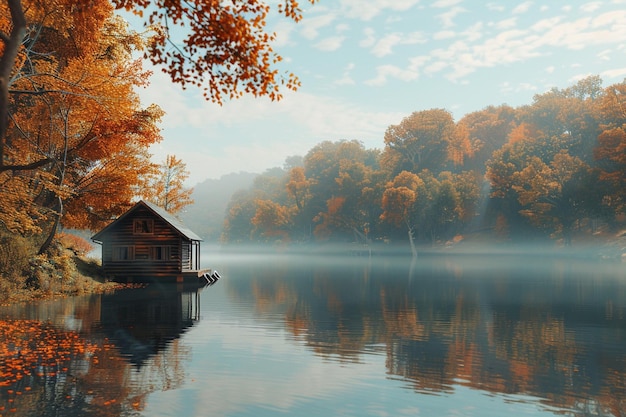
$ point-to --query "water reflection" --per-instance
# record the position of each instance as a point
(311, 336)
(554, 330)
(94, 355)
(143, 322)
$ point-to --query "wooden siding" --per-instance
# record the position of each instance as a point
(145, 245)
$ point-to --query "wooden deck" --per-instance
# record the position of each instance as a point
(197, 277)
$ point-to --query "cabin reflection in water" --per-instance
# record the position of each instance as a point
(141, 322)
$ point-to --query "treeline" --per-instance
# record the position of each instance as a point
(547, 170)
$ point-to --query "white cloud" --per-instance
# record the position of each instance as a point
(496, 7)
(507, 88)
(370, 38)
(617, 73)
(590, 7)
(546, 24)
(605, 55)
(447, 18)
(346, 78)
(384, 72)
(473, 33)
(435, 67)
(574, 79)
(522, 8)
(518, 44)
(444, 34)
(385, 45)
(311, 25)
(446, 3)
(331, 43)
(550, 69)
(342, 27)
(506, 23)
(368, 9)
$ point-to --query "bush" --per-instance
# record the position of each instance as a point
(75, 243)
(15, 254)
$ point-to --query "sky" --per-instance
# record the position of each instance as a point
(365, 65)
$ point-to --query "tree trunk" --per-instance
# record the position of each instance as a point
(53, 230)
(7, 62)
(412, 241)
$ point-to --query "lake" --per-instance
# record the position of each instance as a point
(443, 335)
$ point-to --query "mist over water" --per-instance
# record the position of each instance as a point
(322, 333)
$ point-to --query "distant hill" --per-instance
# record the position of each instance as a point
(211, 197)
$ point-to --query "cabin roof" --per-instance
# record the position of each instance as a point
(157, 211)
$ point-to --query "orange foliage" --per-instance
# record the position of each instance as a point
(225, 49)
(75, 243)
(78, 138)
(271, 219)
(166, 185)
(523, 132)
(298, 186)
(31, 348)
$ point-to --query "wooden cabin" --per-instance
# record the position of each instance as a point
(149, 244)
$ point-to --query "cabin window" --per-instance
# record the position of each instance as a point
(159, 253)
(122, 253)
(143, 226)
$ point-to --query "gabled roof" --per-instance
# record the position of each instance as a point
(159, 212)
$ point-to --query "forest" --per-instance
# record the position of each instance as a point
(553, 171)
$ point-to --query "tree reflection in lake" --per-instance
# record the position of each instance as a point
(94, 355)
(554, 329)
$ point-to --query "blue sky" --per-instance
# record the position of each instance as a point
(367, 64)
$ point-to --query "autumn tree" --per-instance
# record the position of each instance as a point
(555, 196)
(166, 185)
(541, 187)
(271, 221)
(299, 191)
(238, 227)
(488, 131)
(268, 187)
(341, 189)
(224, 48)
(421, 141)
(610, 154)
(400, 203)
(74, 114)
(568, 117)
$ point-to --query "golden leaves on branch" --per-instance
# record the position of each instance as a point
(77, 126)
(224, 49)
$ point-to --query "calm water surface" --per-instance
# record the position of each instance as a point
(330, 336)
